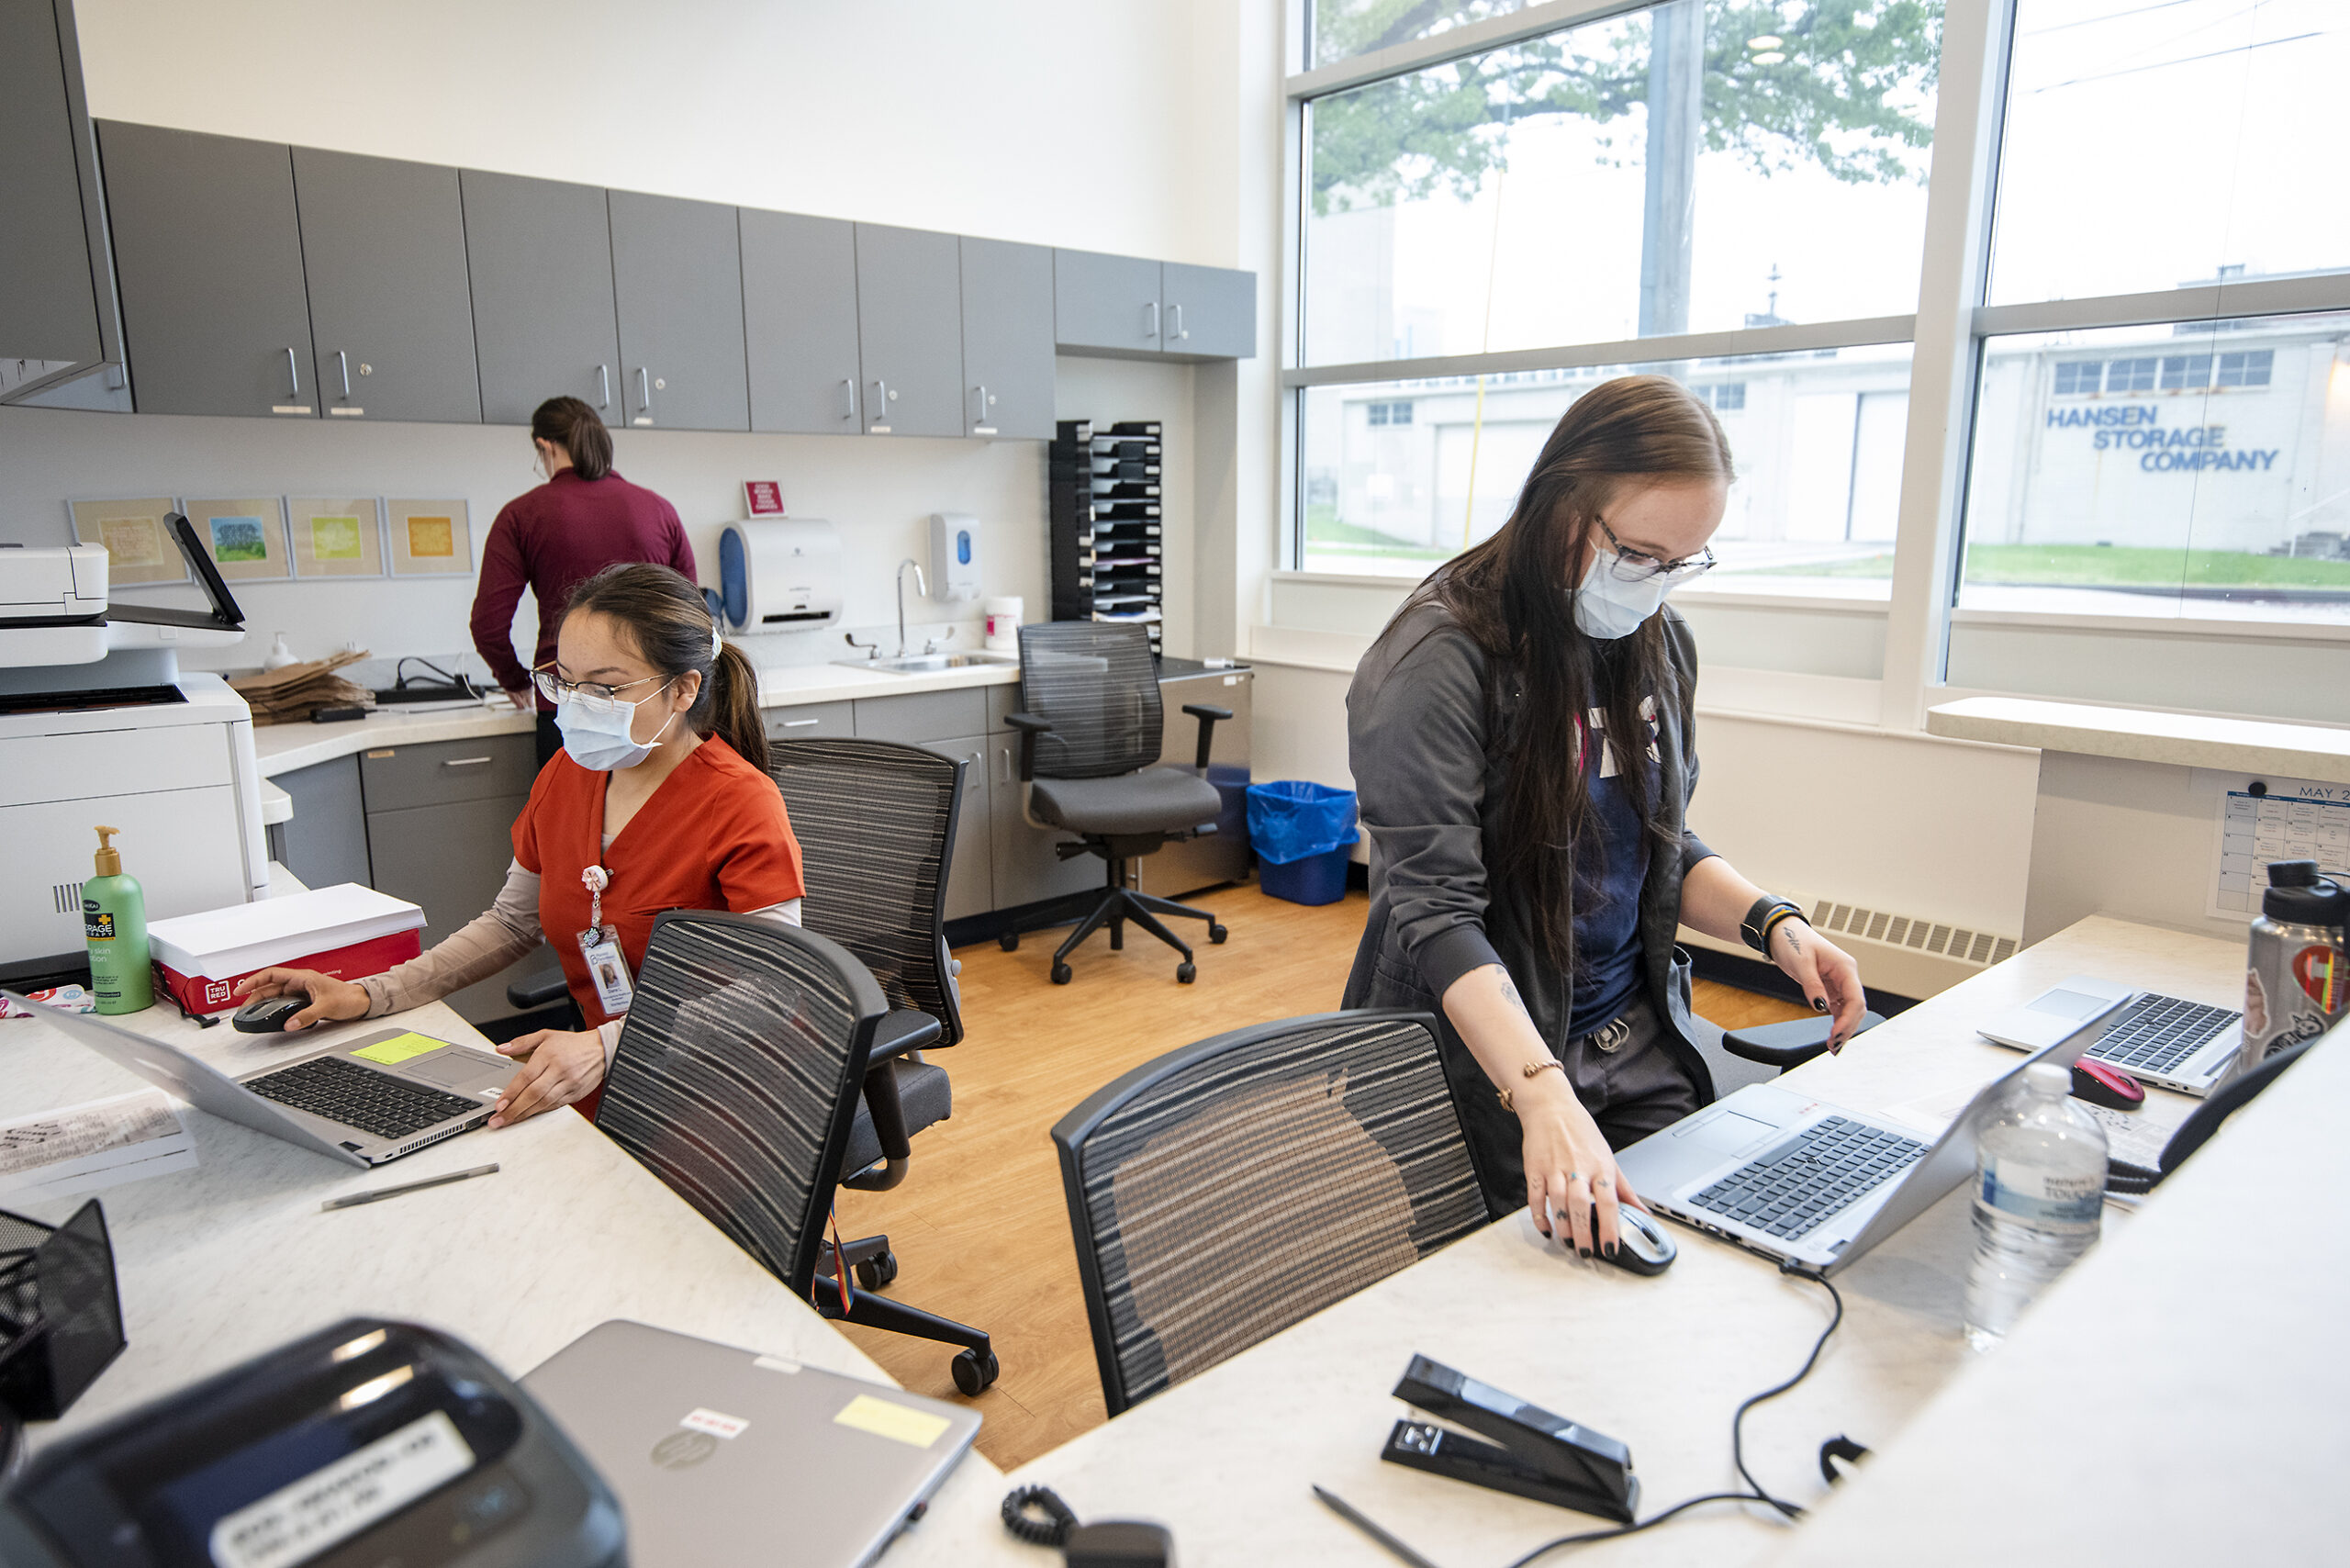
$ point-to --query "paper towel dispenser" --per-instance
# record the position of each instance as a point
(780, 574)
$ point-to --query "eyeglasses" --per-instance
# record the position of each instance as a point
(554, 688)
(1631, 566)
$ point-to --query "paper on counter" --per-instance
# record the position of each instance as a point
(92, 1147)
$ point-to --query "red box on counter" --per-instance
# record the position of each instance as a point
(346, 931)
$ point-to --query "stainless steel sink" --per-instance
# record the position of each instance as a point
(926, 664)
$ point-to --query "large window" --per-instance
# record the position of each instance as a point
(1748, 179)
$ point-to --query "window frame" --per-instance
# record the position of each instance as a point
(1947, 332)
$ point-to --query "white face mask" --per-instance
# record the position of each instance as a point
(599, 732)
(1606, 607)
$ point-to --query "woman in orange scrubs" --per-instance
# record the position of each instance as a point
(661, 795)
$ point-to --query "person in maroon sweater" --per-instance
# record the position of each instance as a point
(551, 539)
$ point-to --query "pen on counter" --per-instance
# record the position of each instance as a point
(1339, 1506)
(355, 1198)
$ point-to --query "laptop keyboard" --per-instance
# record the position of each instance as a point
(1805, 1180)
(2155, 1034)
(373, 1102)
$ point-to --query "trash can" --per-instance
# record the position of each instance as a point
(1302, 832)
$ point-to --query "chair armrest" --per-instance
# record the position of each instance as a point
(530, 995)
(1207, 716)
(1788, 1045)
(903, 1031)
(1030, 726)
(888, 1115)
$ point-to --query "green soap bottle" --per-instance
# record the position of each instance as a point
(114, 923)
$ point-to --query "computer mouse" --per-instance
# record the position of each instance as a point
(2101, 1084)
(1642, 1245)
(268, 1015)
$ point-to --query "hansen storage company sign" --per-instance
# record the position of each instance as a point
(2173, 449)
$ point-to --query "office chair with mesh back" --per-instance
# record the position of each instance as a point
(1089, 740)
(875, 823)
(1760, 1052)
(736, 1082)
(1186, 1180)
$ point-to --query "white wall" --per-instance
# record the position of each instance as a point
(1105, 126)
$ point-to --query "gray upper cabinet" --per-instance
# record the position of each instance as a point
(677, 281)
(909, 330)
(383, 252)
(541, 255)
(209, 256)
(1211, 312)
(800, 322)
(1105, 304)
(1007, 338)
(48, 308)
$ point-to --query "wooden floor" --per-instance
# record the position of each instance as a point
(980, 1227)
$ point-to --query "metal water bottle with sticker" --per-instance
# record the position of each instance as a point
(2296, 975)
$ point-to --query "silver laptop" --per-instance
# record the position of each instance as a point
(1802, 1179)
(727, 1459)
(364, 1100)
(2181, 1045)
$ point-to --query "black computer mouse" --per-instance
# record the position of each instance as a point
(268, 1015)
(2101, 1084)
(1642, 1245)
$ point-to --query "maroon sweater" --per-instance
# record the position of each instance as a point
(552, 540)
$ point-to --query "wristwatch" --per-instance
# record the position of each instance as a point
(1765, 918)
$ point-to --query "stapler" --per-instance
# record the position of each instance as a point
(1534, 1454)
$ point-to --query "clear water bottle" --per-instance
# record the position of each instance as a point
(2039, 1196)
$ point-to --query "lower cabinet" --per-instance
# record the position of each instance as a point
(325, 841)
(970, 882)
(1027, 869)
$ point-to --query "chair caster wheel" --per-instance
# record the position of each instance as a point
(1186, 973)
(1061, 974)
(1009, 941)
(975, 1369)
(1216, 934)
(878, 1274)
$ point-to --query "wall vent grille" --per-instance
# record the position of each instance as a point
(1978, 948)
(68, 896)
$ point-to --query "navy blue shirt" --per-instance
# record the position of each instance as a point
(1611, 863)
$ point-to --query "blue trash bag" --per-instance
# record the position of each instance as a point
(1289, 820)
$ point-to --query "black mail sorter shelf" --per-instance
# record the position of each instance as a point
(1108, 552)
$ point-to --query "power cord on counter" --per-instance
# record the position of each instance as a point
(1837, 1447)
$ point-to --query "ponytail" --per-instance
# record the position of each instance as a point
(667, 619)
(577, 429)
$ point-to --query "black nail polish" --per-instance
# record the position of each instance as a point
(1585, 1250)
(1818, 1006)
(1611, 1250)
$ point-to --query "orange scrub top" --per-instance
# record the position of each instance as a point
(714, 836)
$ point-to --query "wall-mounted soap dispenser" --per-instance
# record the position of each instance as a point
(954, 556)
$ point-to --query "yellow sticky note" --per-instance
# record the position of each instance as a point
(400, 1047)
(898, 1422)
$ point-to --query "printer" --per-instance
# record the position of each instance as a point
(98, 725)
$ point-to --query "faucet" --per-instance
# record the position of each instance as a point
(920, 586)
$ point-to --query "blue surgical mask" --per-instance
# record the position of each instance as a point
(598, 731)
(1606, 607)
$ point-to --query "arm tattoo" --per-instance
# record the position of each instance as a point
(1509, 994)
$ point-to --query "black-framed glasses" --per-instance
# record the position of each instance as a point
(554, 688)
(1627, 564)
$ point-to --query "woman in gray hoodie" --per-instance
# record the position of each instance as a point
(1521, 740)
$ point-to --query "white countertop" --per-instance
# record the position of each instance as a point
(281, 748)
(2183, 739)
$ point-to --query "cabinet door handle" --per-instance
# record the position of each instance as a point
(463, 761)
(882, 396)
(643, 390)
(293, 375)
(343, 364)
(980, 426)
(1150, 333)
(848, 386)
(604, 380)
(800, 723)
(1179, 329)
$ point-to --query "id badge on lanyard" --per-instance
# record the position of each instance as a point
(600, 946)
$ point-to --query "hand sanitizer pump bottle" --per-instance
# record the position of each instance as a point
(114, 924)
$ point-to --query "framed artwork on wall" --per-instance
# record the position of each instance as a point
(245, 537)
(138, 550)
(429, 539)
(336, 536)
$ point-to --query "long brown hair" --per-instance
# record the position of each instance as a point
(1514, 594)
(666, 619)
(577, 429)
